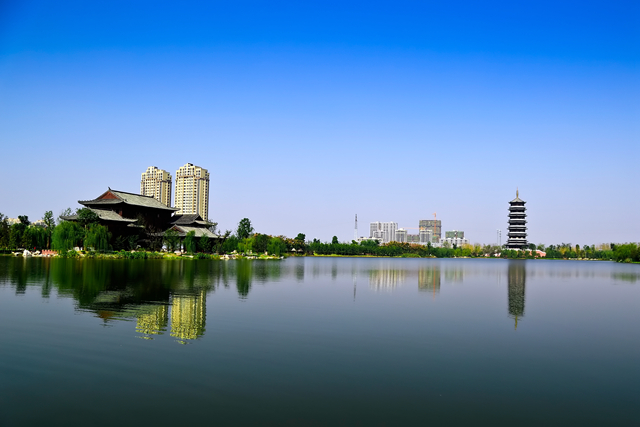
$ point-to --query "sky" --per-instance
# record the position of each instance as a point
(307, 113)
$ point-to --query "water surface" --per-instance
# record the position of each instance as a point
(319, 341)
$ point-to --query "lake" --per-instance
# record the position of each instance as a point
(319, 341)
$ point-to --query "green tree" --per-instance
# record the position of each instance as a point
(301, 236)
(190, 242)
(229, 245)
(172, 239)
(4, 232)
(66, 236)
(49, 223)
(204, 244)
(24, 219)
(334, 240)
(86, 216)
(244, 229)
(276, 246)
(97, 237)
(260, 242)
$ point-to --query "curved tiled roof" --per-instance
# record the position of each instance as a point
(128, 198)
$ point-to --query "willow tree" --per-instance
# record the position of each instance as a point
(97, 237)
(190, 242)
(66, 236)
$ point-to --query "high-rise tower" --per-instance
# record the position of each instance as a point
(156, 183)
(192, 191)
(517, 237)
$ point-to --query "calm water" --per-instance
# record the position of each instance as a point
(319, 341)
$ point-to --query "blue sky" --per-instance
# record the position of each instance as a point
(306, 113)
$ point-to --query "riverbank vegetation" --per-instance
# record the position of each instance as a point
(67, 237)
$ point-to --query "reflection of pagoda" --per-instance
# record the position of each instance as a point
(188, 315)
(429, 279)
(517, 224)
(516, 275)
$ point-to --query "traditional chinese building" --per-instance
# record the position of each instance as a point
(115, 208)
(191, 222)
(517, 237)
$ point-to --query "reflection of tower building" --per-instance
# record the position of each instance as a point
(153, 320)
(516, 275)
(188, 315)
(429, 279)
(517, 224)
(385, 279)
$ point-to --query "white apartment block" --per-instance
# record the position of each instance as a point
(192, 190)
(401, 235)
(457, 241)
(156, 183)
(383, 230)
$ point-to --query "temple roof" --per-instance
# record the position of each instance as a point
(186, 219)
(199, 231)
(103, 215)
(113, 197)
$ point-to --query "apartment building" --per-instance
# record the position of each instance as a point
(192, 191)
(156, 183)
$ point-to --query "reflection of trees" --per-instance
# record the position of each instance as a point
(243, 277)
(429, 279)
(126, 289)
(516, 275)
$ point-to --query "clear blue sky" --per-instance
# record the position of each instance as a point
(306, 113)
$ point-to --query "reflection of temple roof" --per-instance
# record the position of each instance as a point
(113, 197)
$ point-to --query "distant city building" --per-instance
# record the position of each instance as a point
(156, 183)
(455, 234)
(413, 238)
(451, 241)
(383, 230)
(11, 221)
(401, 235)
(192, 191)
(425, 236)
(433, 225)
(517, 237)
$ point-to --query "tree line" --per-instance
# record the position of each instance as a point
(88, 233)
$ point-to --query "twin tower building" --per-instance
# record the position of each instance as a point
(191, 191)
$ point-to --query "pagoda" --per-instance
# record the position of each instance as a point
(517, 224)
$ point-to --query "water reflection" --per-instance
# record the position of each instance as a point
(429, 279)
(153, 321)
(188, 315)
(386, 279)
(516, 276)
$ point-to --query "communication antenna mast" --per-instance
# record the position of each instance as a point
(355, 236)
